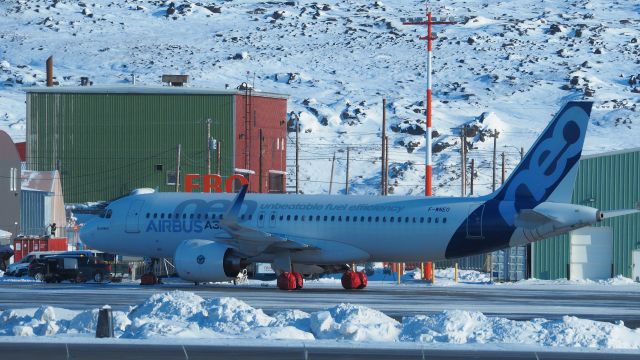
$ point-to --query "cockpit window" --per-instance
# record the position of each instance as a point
(108, 214)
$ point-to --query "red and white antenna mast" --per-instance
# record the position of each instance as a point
(429, 22)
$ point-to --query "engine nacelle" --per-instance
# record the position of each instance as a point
(206, 261)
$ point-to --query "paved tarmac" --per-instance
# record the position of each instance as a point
(514, 302)
(100, 351)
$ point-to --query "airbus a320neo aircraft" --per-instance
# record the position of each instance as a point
(212, 237)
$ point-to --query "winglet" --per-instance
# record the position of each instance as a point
(234, 210)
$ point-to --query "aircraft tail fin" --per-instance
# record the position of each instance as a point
(549, 169)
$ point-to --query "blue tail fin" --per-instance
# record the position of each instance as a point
(548, 171)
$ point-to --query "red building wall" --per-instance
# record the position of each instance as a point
(268, 114)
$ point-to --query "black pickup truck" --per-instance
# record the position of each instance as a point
(75, 268)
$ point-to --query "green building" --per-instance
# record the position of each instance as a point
(608, 181)
(107, 141)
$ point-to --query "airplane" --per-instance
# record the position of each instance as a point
(213, 237)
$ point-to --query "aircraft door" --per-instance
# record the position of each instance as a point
(261, 219)
(474, 221)
(132, 224)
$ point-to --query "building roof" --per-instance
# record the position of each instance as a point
(610, 153)
(39, 180)
(8, 151)
(138, 89)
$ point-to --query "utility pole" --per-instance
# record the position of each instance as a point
(463, 161)
(495, 140)
(429, 38)
(346, 185)
(383, 135)
(472, 172)
(260, 168)
(386, 165)
(209, 146)
(178, 168)
(219, 157)
(502, 168)
(298, 157)
(333, 162)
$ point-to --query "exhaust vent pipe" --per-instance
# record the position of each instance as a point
(599, 215)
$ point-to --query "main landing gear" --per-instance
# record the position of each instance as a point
(354, 280)
(290, 281)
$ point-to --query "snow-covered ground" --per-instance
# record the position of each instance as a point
(504, 66)
(186, 315)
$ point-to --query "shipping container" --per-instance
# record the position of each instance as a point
(24, 245)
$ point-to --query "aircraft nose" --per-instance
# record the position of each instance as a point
(88, 233)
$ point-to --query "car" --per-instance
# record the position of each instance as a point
(72, 267)
(21, 268)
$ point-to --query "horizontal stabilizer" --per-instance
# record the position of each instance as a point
(622, 212)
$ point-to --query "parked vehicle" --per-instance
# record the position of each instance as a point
(72, 267)
(21, 268)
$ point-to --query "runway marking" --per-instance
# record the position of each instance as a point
(185, 353)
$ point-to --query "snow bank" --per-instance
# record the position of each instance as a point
(354, 322)
(619, 280)
(462, 327)
(180, 314)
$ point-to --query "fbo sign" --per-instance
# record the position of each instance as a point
(212, 183)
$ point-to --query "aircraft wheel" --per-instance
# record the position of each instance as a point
(287, 281)
(351, 280)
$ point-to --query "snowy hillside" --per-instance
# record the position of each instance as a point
(515, 61)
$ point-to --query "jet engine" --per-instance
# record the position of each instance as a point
(206, 261)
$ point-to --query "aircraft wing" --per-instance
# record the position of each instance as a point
(253, 241)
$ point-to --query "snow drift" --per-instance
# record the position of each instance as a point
(187, 315)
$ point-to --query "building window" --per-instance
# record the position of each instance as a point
(171, 177)
(276, 181)
(159, 167)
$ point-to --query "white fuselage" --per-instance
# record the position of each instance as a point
(345, 228)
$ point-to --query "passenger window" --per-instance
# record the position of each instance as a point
(199, 216)
(191, 216)
(177, 216)
(302, 218)
(437, 219)
(429, 220)
(242, 217)
(250, 216)
(169, 216)
(295, 218)
(162, 216)
(155, 215)
(421, 220)
(346, 219)
(325, 218)
(281, 217)
(339, 218)
(273, 217)
(310, 217)
(318, 218)
(148, 215)
(288, 217)
(391, 219)
(407, 219)
(333, 218)
(444, 220)
(221, 217)
(261, 217)
(184, 216)
(355, 219)
(369, 219)
(399, 219)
